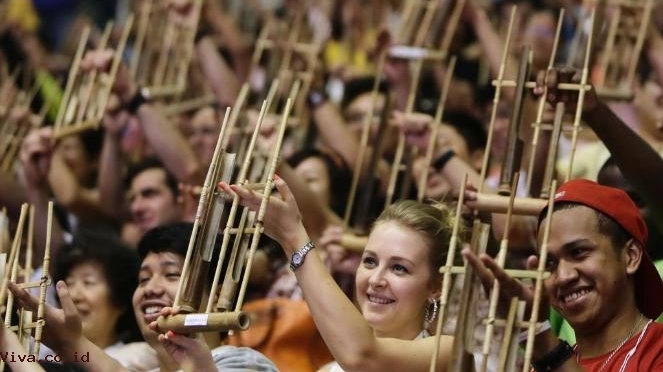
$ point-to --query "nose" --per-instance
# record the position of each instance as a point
(377, 279)
(75, 292)
(137, 205)
(565, 273)
(153, 287)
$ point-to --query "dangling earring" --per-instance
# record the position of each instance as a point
(430, 315)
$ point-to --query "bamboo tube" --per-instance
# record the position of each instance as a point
(496, 101)
(494, 203)
(205, 322)
(225, 299)
(581, 99)
(446, 278)
(541, 103)
(541, 275)
(432, 141)
(396, 165)
(495, 292)
(273, 162)
(190, 287)
(44, 280)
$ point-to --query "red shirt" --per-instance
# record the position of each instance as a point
(647, 355)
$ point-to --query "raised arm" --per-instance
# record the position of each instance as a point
(335, 133)
(346, 333)
(637, 160)
(9, 344)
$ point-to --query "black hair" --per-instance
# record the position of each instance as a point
(92, 141)
(606, 225)
(338, 171)
(150, 163)
(356, 87)
(174, 238)
(469, 127)
(119, 265)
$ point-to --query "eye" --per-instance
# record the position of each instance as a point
(578, 252)
(173, 276)
(143, 279)
(400, 269)
(369, 262)
(551, 264)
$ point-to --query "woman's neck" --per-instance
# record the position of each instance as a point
(409, 333)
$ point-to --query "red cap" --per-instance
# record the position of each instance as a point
(617, 205)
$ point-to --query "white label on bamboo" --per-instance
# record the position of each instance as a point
(195, 320)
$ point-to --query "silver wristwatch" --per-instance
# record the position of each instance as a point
(297, 258)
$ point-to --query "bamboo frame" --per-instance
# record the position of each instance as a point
(164, 49)
(13, 131)
(86, 93)
(617, 60)
(26, 323)
(435, 127)
(427, 18)
(225, 311)
(293, 59)
(515, 205)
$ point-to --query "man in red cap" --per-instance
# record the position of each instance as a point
(602, 282)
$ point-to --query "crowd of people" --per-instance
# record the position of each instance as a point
(364, 278)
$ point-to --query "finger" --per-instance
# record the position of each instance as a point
(23, 297)
(551, 85)
(186, 342)
(66, 302)
(540, 82)
(485, 276)
(510, 285)
(283, 188)
(532, 262)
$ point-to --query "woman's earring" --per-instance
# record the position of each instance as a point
(431, 310)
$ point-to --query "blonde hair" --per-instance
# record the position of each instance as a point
(435, 222)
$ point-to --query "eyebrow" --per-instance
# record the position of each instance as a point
(392, 258)
(164, 264)
(576, 243)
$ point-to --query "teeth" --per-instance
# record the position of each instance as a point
(152, 309)
(575, 295)
(379, 300)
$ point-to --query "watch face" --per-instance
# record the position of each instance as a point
(297, 259)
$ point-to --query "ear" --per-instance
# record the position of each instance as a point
(435, 290)
(632, 254)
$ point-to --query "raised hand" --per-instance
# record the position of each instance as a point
(35, 156)
(282, 220)
(487, 270)
(551, 79)
(339, 259)
(189, 351)
(63, 326)
(415, 126)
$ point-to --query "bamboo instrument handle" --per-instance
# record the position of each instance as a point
(204, 322)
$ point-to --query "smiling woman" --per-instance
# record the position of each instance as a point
(101, 274)
(397, 283)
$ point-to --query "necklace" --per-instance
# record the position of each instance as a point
(614, 351)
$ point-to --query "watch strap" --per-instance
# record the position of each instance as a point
(298, 257)
(554, 359)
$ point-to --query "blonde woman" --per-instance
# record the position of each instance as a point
(397, 283)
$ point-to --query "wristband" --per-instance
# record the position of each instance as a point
(203, 30)
(316, 98)
(136, 101)
(554, 359)
(442, 160)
